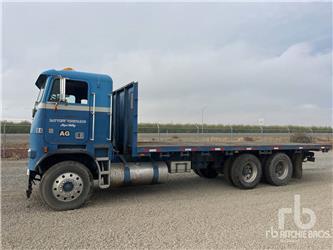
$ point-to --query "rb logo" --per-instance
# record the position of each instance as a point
(297, 215)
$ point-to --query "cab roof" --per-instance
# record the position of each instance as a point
(72, 74)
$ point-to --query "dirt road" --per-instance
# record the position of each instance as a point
(186, 212)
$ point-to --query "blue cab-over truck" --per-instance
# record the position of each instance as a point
(83, 131)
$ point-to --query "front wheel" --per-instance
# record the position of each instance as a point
(66, 185)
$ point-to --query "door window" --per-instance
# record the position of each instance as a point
(76, 92)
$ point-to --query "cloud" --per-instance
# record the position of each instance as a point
(237, 83)
(242, 61)
(308, 106)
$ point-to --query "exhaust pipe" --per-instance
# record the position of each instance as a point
(138, 173)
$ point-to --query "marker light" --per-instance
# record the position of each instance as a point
(68, 69)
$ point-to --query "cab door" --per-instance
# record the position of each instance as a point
(67, 112)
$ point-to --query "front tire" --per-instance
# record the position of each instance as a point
(66, 185)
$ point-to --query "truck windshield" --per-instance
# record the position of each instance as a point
(41, 85)
(40, 94)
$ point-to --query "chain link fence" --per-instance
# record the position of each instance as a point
(14, 140)
(232, 133)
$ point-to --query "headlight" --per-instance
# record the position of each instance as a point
(31, 153)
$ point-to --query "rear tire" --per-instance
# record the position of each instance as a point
(278, 169)
(246, 171)
(66, 185)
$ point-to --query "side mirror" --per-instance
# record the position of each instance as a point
(33, 112)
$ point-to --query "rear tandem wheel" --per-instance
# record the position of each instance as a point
(246, 171)
(278, 169)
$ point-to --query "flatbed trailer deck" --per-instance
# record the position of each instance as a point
(146, 147)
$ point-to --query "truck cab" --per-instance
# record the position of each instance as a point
(65, 114)
(64, 123)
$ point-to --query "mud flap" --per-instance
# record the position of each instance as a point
(29, 189)
(297, 161)
(31, 180)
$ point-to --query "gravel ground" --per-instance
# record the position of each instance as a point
(186, 212)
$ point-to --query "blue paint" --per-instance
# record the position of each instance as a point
(155, 172)
(127, 175)
(125, 118)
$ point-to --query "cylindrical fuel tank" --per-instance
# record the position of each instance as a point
(138, 173)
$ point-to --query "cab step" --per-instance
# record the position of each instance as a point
(104, 172)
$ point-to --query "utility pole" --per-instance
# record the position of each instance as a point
(202, 118)
(4, 142)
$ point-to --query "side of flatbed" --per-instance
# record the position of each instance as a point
(146, 148)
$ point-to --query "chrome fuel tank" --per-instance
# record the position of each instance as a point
(138, 173)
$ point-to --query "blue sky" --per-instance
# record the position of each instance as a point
(241, 61)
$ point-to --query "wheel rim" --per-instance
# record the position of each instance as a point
(67, 187)
(249, 172)
(281, 170)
